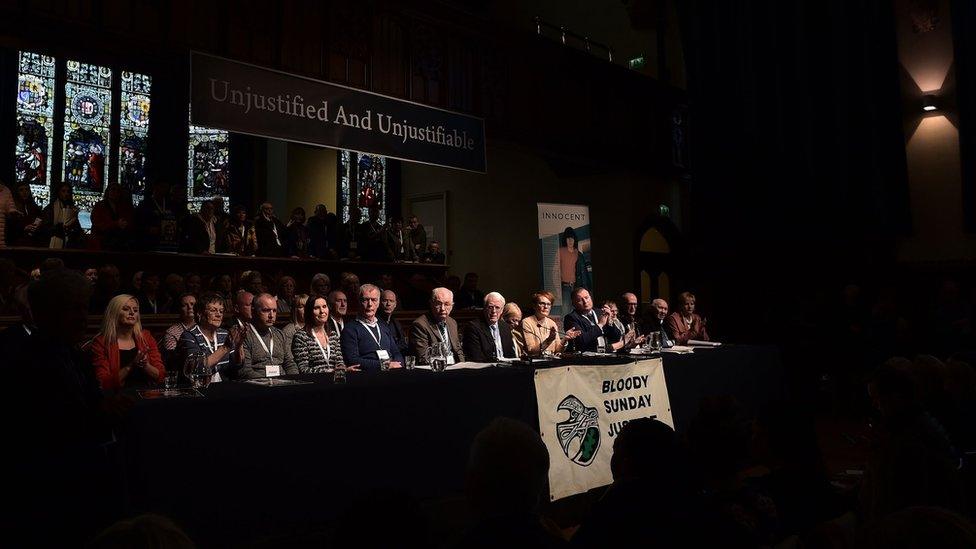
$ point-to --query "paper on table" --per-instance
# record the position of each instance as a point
(698, 343)
(679, 349)
(460, 366)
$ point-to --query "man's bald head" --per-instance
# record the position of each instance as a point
(660, 308)
(441, 303)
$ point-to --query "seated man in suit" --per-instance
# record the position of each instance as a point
(366, 342)
(659, 310)
(265, 353)
(595, 328)
(683, 324)
(389, 304)
(486, 339)
(436, 327)
(337, 310)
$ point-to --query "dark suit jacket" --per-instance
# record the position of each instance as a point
(679, 332)
(267, 245)
(398, 335)
(587, 341)
(424, 330)
(479, 345)
(359, 347)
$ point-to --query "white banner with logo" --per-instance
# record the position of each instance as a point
(583, 408)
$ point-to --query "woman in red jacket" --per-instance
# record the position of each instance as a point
(123, 353)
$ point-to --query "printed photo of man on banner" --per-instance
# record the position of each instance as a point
(564, 248)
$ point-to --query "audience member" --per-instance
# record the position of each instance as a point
(540, 331)
(434, 254)
(253, 282)
(685, 325)
(376, 248)
(485, 338)
(221, 347)
(351, 238)
(418, 237)
(648, 458)
(595, 329)
(123, 353)
(296, 234)
(321, 243)
(243, 314)
(469, 296)
(338, 305)
(436, 329)
(504, 493)
(59, 223)
(297, 323)
(285, 294)
(239, 235)
(13, 337)
(173, 335)
(112, 220)
(6, 208)
(388, 304)
(265, 352)
(366, 343)
(398, 242)
(200, 231)
(108, 285)
(24, 222)
(512, 316)
(269, 231)
(156, 221)
(193, 283)
(320, 286)
(151, 300)
(316, 347)
(173, 287)
(136, 283)
(148, 531)
(91, 274)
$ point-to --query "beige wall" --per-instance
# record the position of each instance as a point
(932, 150)
(492, 219)
(311, 178)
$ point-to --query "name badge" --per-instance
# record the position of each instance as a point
(383, 354)
(601, 343)
(450, 359)
(272, 370)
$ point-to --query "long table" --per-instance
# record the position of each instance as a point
(244, 459)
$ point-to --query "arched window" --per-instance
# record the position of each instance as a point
(362, 183)
(35, 123)
(208, 168)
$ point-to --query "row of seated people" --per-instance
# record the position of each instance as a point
(163, 222)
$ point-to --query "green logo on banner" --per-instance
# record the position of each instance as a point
(579, 436)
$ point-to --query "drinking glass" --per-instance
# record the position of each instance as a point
(172, 378)
(655, 341)
(409, 362)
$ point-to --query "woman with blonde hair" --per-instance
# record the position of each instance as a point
(512, 315)
(540, 332)
(298, 319)
(123, 353)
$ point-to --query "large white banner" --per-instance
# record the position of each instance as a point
(583, 408)
(564, 248)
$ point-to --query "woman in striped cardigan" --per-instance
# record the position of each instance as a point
(316, 347)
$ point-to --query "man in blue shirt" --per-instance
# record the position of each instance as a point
(366, 342)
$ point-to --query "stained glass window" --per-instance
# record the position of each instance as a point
(35, 123)
(208, 170)
(371, 179)
(364, 187)
(134, 133)
(87, 122)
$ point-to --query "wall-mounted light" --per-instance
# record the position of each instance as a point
(930, 103)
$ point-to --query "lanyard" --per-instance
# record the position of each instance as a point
(261, 341)
(379, 339)
(326, 352)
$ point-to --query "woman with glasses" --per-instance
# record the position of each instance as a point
(540, 332)
(221, 347)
